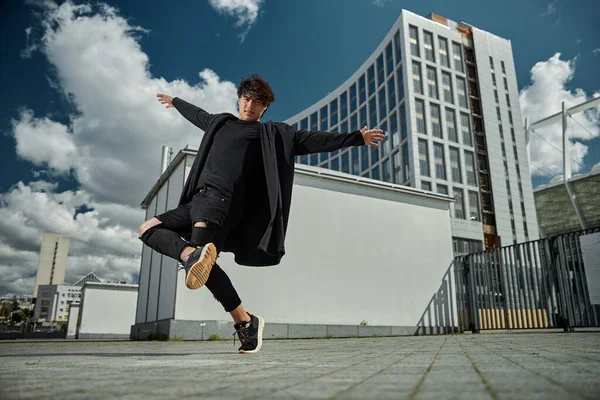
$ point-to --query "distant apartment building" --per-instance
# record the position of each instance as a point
(53, 261)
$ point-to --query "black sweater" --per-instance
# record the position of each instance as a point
(259, 238)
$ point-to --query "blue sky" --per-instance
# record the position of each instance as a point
(74, 128)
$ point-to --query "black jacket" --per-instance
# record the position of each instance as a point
(258, 240)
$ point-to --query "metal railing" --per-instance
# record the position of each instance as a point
(537, 284)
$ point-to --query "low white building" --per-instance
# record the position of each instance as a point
(359, 251)
(54, 301)
(107, 310)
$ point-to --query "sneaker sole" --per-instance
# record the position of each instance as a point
(261, 325)
(200, 271)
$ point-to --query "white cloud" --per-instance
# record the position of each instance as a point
(111, 145)
(596, 51)
(246, 12)
(380, 3)
(97, 243)
(551, 9)
(543, 98)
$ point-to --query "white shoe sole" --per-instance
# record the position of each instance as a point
(261, 325)
(200, 271)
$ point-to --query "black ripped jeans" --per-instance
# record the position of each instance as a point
(212, 207)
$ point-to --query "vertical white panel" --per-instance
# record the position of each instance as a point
(145, 265)
(166, 306)
(156, 262)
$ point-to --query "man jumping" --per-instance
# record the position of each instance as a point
(237, 196)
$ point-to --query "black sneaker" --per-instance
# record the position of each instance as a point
(250, 334)
(198, 266)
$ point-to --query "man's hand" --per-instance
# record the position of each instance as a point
(165, 99)
(372, 136)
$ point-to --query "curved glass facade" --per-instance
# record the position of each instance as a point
(424, 88)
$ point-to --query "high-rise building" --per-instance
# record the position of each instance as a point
(446, 95)
(53, 261)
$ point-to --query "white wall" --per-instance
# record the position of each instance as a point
(107, 309)
(73, 318)
(354, 253)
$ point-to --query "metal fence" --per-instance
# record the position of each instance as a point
(537, 284)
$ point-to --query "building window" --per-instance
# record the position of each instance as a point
(385, 143)
(459, 204)
(423, 157)
(391, 90)
(440, 165)
(354, 122)
(455, 165)
(373, 112)
(371, 77)
(346, 162)
(428, 46)
(436, 125)
(363, 116)
(498, 114)
(353, 98)
(398, 47)
(344, 106)
(447, 86)
(420, 113)
(335, 164)
(507, 100)
(451, 125)
(494, 78)
(426, 186)
(364, 155)
(502, 65)
(442, 189)
(505, 83)
(496, 96)
(374, 154)
(394, 129)
(491, 63)
(470, 168)
(389, 59)
(416, 70)
(382, 103)
(355, 161)
(400, 84)
(432, 83)
(324, 119)
(380, 71)
(465, 126)
(414, 41)
(405, 162)
(362, 89)
(510, 119)
(403, 129)
(457, 54)
(474, 206)
(444, 60)
(387, 177)
(334, 112)
(462, 92)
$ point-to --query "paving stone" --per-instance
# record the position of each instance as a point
(500, 366)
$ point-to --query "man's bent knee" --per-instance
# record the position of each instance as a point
(200, 224)
(149, 224)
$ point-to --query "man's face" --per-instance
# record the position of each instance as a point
(251, 109)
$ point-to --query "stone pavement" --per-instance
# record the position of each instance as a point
(482, 366)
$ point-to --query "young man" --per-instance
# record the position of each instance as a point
(237, 196)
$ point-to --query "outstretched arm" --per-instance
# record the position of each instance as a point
(195, 115)
(308, 142)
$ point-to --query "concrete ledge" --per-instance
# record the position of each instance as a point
(103, 336)
(210, 330)
(342, 331)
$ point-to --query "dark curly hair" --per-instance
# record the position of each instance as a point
(255, 87)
